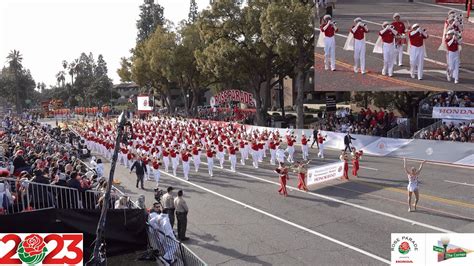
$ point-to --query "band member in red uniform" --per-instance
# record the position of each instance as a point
(166, 158)
(210, 159)
(290, 149)
(321, 141)
(345, 158)
(358, 30)
(174, 160)
(417, 50)
(156, 171)
(328, 28)
(387, 35)
(254, 153)
(304, 146)
(356, 155)
(282, 171)
(300, 169)
(400, 39)
(220, 155)
(232, 156)
(185, 159)
(196, 157)
(453, 42)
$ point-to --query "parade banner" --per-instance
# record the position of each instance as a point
(233, 96)
(464, 113)
(144, 104)
(324, 173)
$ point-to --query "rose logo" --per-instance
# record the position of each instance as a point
(381, 145)
(32, 250)
(404, 248)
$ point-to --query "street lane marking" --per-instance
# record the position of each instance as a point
(361, 251)
(464, 184)
(433, 198)
(345, 202)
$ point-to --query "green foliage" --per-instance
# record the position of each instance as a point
(16, 83)
(193, 11)
(151, 16)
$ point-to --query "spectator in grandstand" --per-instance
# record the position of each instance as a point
(6, 199)
(121, 203)
(40, 192)
(19, 162)
(462, 132)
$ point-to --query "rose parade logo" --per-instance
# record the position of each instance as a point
(404, 248)
(35, 249)
(32, 250)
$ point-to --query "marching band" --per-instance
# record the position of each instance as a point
(391, 42)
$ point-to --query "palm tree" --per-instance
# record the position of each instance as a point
(61, 78)
(14, 60)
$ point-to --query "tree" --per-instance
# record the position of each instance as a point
(193, 11)
(15, 67)
(289, 25)
(124, 72)
(235, 53)
(151, 16)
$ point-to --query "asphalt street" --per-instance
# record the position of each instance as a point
(375, 12)
(239, 218)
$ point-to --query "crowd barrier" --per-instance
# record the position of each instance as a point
(171, 249)
(460, 153)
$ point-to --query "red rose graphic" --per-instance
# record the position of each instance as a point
(405, 246)
(33, 244)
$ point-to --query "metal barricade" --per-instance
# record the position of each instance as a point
(169, 249)
(28, 195)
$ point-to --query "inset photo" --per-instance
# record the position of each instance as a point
(387, 45)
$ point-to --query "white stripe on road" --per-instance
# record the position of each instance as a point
(363, 252)
(346, 203)
(406, 53)
(464, 184)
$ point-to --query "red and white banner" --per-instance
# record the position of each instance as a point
(144, 104)
(324, 173)
(460, 113)
(233, 96)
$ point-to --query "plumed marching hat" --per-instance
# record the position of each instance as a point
(396, 15)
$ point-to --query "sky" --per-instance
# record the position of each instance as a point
(46, 32)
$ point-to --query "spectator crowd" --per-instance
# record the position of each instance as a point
(463, 132)
(43, 170)
(366, 122)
